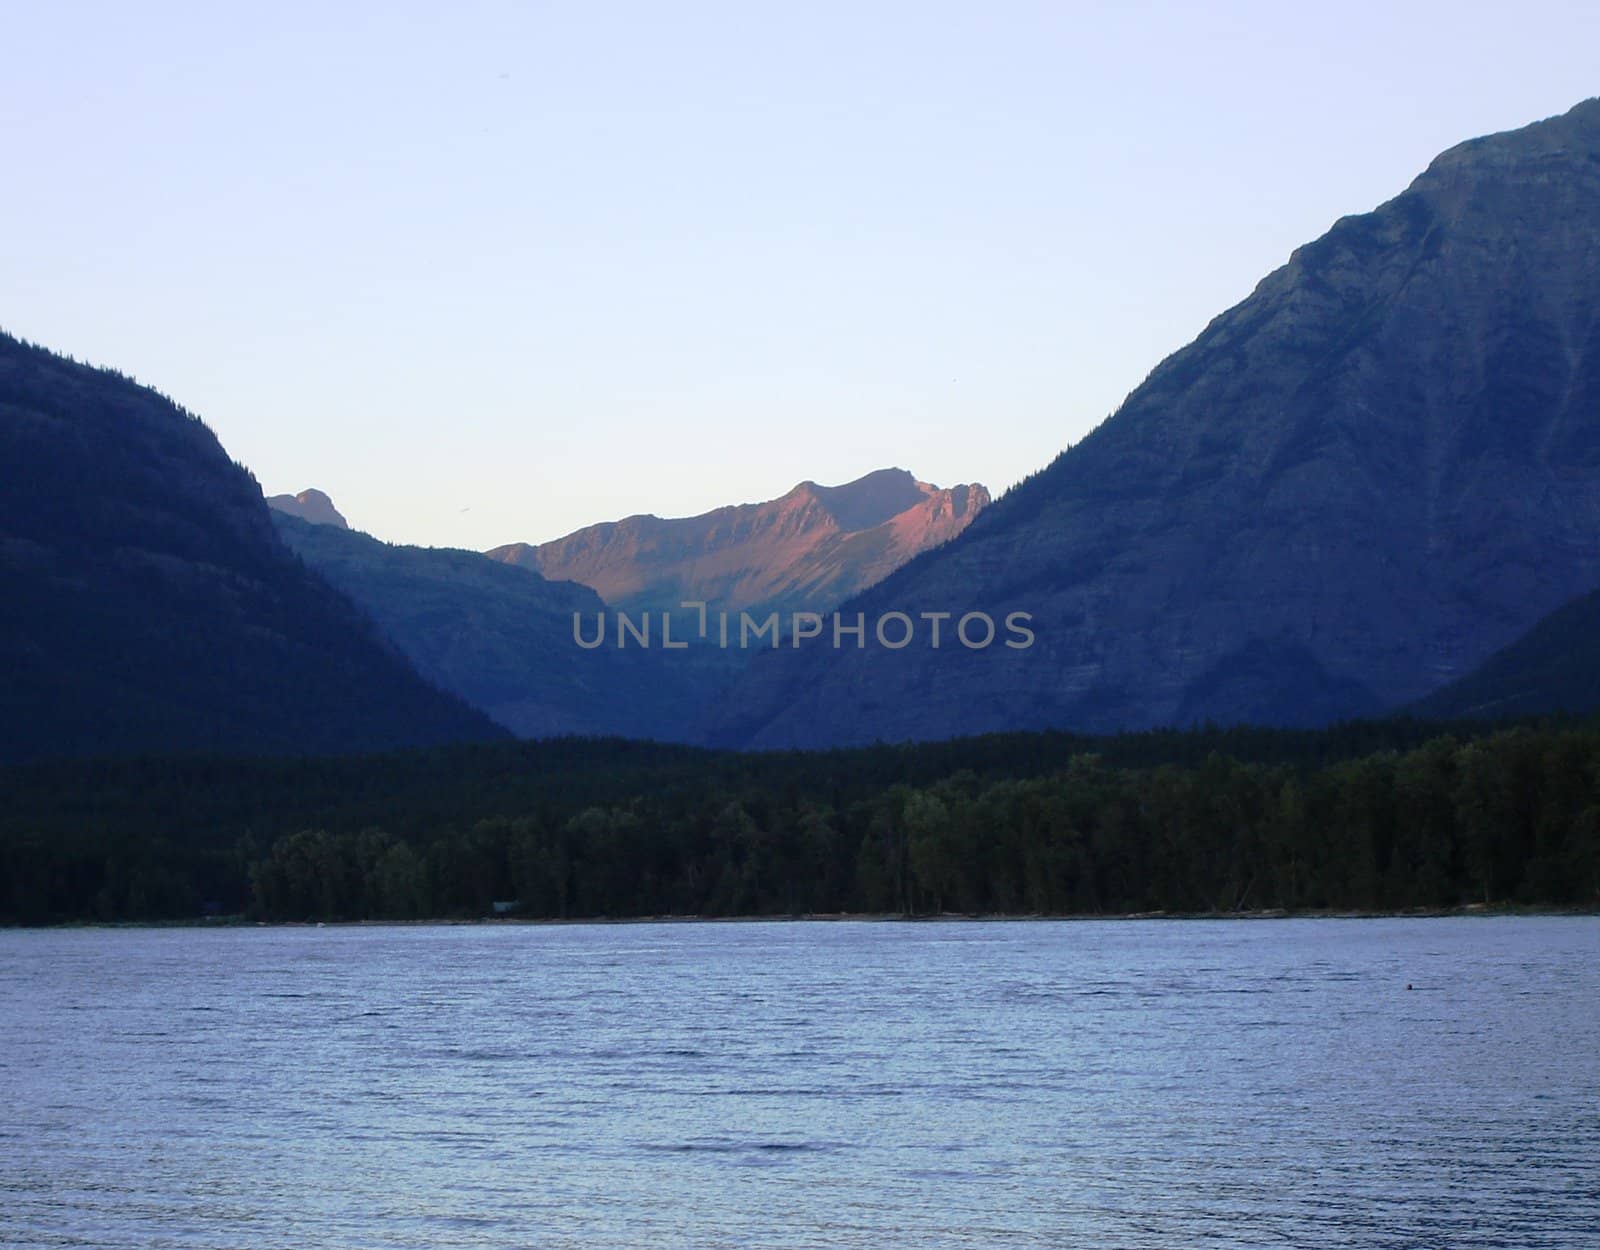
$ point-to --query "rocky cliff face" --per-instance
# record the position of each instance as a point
(148, 604)
(309, 505)
(1350, 489)
(807, 551)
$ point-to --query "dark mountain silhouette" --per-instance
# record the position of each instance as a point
(501, 637)
(1352, 488)
(807, 551)
(148, 605)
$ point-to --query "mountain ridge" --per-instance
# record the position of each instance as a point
(1318, 509)
(808, 549)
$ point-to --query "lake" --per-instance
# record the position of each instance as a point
(974, 1084)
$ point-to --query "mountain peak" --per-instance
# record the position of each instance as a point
(1352, 487)
(869, 500)
(1535, 152)
(309, 505)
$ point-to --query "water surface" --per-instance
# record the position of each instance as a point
(1117, 1084)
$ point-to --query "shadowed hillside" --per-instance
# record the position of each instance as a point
(501, 637)
(1554, 667)
(148, 603)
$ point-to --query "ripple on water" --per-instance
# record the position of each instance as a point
(950, 1085)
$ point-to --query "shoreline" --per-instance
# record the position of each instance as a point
(1485, 910)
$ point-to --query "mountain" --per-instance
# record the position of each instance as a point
(808, 551)
(1353, 487)
(501, 637)
(309, 505)
(1554, 667)
(149, 605)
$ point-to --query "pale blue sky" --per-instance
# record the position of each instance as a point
(554, 264)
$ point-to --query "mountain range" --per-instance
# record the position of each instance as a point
(498, 629)
(1371, 486)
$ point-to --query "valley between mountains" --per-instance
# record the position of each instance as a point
(1371, 487)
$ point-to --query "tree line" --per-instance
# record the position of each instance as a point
(1020, 824)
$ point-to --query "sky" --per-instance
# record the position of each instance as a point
(490, 272)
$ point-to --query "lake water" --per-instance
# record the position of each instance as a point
(1116, 1084)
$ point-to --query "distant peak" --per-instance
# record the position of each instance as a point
(869, 500)
(309, 505)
